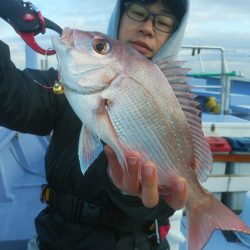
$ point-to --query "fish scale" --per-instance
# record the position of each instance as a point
(138, 108)
(163, 93)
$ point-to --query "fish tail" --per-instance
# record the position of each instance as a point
(207, 216)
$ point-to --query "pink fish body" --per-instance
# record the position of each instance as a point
(132, 103)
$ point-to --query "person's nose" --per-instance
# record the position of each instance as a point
(147, 27)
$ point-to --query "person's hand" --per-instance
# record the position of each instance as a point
(146, 187)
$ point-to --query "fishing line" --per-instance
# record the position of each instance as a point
(57, 88)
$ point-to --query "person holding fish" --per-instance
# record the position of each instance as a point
(109, 207)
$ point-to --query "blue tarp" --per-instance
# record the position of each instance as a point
(239, 144)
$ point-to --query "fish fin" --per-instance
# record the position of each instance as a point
(204, 218)
(168, 62)
(172, 70)
(104, 123)
(203, 157)
(202, 164)
(89, 148)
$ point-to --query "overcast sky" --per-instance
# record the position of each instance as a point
(223, 23)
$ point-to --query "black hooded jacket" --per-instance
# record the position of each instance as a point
(29, 108)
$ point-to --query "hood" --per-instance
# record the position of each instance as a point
(171, 47)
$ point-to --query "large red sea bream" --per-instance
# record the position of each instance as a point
(132, 103)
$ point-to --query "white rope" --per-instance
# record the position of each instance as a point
(157, 231)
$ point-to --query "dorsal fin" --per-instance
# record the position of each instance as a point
(178, 80)
(168, 62)
(175, 71)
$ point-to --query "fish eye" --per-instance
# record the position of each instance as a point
(101, 46)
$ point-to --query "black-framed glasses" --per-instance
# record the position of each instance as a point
(139, 12)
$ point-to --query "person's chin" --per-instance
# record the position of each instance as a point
(142, 50)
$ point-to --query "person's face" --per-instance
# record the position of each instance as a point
(143, 36)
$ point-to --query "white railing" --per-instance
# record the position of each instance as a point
(225, 80)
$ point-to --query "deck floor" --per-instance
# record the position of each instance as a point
(14, 245)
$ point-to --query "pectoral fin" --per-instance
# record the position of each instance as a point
(89, 148)
(107, 131)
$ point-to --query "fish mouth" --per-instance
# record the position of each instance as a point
(67, 36)
(88, 70)
(83, 91)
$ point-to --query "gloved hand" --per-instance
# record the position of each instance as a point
(27, 21)
(4, 7)
(25, 17)
(20, 15)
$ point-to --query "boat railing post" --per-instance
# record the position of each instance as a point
(226, 85)
(223, 82)
(224, 78)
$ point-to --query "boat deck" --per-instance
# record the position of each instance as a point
(14, 245)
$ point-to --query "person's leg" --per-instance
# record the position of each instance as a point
(100, 238)
(132, 241)
(56, 233)
(94, 241)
